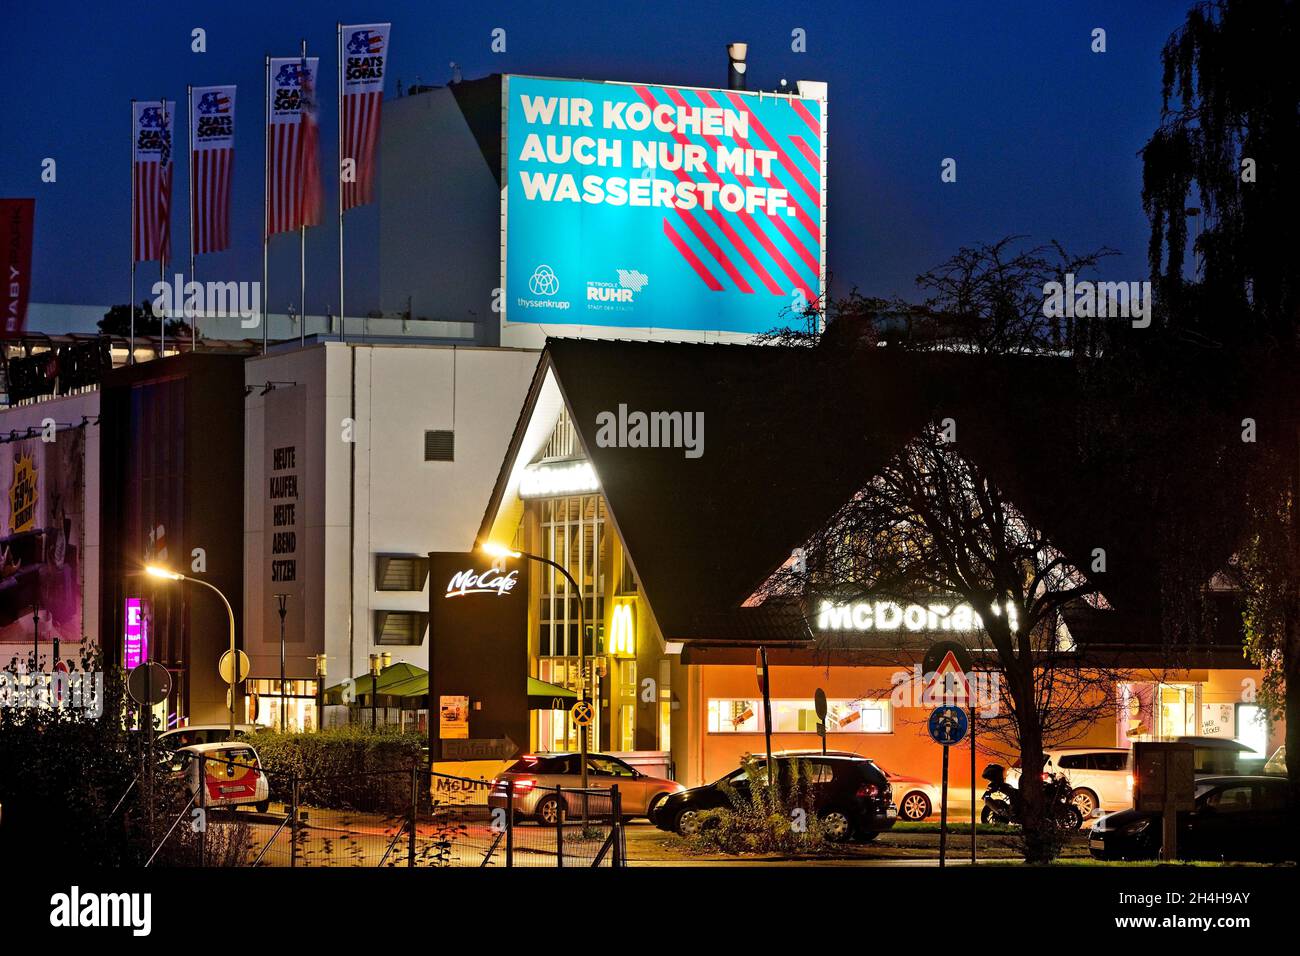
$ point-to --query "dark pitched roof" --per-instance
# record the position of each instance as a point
(791, 433)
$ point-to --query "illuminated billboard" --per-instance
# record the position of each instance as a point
(652, 207)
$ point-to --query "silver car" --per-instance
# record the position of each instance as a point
(535, 777)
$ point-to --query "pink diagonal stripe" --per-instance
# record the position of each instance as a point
(813, 122)
(772, 144)
(690, 257)
(812, 261)
(790, 271)
(721, 223)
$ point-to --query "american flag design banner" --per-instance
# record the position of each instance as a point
(151, 169)
(293, 178)
(212, 161)
(365, 58)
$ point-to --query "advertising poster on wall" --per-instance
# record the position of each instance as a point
(639, 206)
(283, 517)
(1135, 712)
(453, 717)
(42, 541)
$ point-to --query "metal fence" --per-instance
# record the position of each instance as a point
(410, 818)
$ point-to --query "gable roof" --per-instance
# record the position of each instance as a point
(790, 434)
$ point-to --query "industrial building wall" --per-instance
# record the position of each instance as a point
(439, 215)
(404, 505)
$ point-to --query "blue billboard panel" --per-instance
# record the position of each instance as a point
(661, 207)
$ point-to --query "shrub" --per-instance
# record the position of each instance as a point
(342, 768)
(768, 817)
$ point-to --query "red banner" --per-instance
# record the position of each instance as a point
(16, 220)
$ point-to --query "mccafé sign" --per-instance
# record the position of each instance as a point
(892, 616)
(491, 581)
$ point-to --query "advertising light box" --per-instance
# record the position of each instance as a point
(636, 206)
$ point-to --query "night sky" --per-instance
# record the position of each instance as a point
(1045, 132)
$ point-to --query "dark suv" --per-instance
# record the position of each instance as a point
(848, 792)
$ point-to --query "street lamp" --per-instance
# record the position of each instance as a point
(320, 691)
(166, 574)
(282, 605)
(500, 551)
(376, 667)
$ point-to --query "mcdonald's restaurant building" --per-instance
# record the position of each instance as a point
(670, 527)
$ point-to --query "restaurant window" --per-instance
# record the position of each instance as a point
(744, 716)
(627, 705)
(572, 535)
(1252, 730)
(1177, 710)
(262, 703)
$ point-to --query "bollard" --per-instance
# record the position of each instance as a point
(559, 826)
(510, 823)
(293, 819)
(203, 812)
(415, 807)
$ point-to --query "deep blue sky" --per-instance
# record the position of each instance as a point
(1045, 132)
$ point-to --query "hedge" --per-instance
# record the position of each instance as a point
(342, 768)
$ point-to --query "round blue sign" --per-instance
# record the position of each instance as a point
(948, 725)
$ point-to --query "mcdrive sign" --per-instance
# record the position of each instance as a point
(649, 206)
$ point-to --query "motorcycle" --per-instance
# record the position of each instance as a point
(1002, 801)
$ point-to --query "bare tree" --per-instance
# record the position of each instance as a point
(989, 298)
(933, 525)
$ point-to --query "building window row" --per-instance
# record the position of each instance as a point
(745, 716)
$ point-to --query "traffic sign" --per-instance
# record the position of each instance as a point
(582, 713)
(946, 664)
(760, 668)
(936, 653)
(149, 684)
(948, 725)
(224, 668)
(485, 748)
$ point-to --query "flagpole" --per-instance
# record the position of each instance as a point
(164, 229)
(302, 222)
(266, 187)
(189, 122)
(130, 305)
(343, 337)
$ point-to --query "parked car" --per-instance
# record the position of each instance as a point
(915, 797)
(1235, 817)
(535, 777)
(180, 737)
(1099, 776)
(231, 775)
(849, 792)
(1276, 764)
(1220, 755)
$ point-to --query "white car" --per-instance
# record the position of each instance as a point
(180, 737)
(1099, 776)
(231, 775)
(915, 797)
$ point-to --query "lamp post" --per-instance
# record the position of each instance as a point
(376, 666)
(165, 574)
(282, 605)
(320, 692)
(501, 551)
